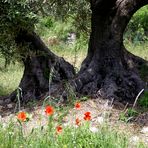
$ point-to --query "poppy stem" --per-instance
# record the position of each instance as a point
(21, 135)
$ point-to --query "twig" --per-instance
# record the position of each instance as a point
(137, 98)
(125, 107)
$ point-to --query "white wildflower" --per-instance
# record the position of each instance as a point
(144, 130)
(94, 129)
(100, 120)
(134, 139)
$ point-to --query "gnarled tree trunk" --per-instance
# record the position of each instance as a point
(42, 68)
(109, 70)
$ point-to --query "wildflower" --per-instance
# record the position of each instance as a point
(77, 121)
(100, 120)
(144, 130)
(87, 116)
(58, 129)
(94, 129)
(134, 140)
(77, 105)
(22, 116)
(49, 110)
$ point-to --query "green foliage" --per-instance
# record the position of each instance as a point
(9, 77)
(62, 29)
(14, 16)
(123, 117)
(137, 27)
(143, 101)
(77, 10)
(12, 136)
(132, 112)
(44, 25)
(128, 115)
(46, 22)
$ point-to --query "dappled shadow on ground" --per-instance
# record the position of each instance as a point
(7, 107)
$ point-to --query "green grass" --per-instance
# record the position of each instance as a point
(12, 136)
(139, 49)
(16, 134)
(143, 101)
(9, 77)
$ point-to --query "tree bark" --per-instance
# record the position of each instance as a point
(43, 70)
(109, 70)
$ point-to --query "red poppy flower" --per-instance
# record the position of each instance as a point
(87, 113)
(22, 116)
(77, 105)
(49, 110)
(77, 121)
(59, 129)
(87, 116)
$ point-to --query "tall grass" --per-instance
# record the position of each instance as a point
(71, 137)
(9, 77)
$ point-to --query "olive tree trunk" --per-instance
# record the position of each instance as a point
(42, 69)
(109, 70)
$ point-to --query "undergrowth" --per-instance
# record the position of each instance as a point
(11, 136)
(54, 134)
(143, 101)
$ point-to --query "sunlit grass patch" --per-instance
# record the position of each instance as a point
(10, 78)
(139, 49)
(68, 137)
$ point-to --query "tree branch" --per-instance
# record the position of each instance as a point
(102, 6)
(125, 10)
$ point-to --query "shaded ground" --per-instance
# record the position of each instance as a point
(102, 111)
